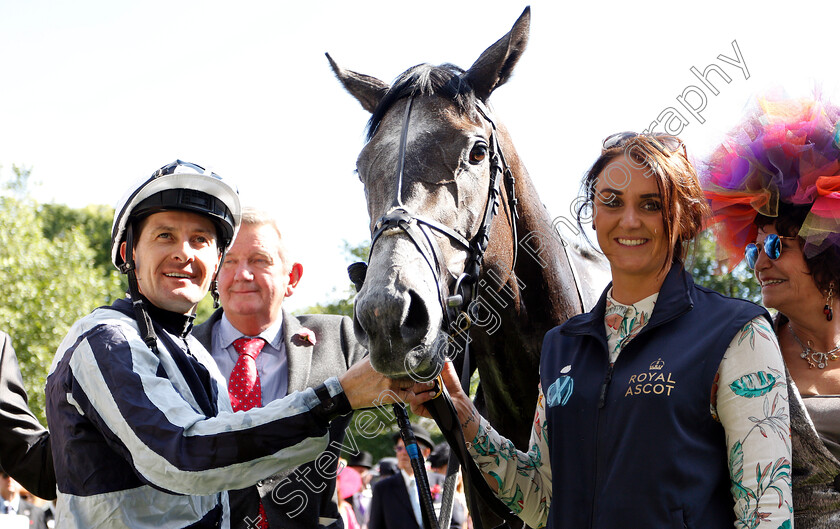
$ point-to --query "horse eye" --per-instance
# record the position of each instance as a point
(478, 153)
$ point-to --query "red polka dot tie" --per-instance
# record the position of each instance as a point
(245, 390)
(244, 384)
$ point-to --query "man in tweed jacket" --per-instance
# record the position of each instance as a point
(300, 352)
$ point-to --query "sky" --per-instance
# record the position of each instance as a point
(98, 94)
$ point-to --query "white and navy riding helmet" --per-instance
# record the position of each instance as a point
(178, 186)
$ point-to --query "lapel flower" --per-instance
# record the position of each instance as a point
(436, 490)
(304, 337)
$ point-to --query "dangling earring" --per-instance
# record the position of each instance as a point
(827, 310)
(593, 225)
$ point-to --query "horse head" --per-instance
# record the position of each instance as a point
(432, 169)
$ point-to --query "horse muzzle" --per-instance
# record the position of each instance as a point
(396, 327)
(398, 314)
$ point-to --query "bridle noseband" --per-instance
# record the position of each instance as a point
(419, 228)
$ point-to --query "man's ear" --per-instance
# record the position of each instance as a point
(294, 278)
(122, 251)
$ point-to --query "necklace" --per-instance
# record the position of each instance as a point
(814, 358)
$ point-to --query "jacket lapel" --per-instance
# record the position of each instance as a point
(402, 494)
(298, 355)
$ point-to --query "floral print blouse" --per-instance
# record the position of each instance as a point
(749, 400)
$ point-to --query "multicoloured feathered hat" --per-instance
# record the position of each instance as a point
(786, 151)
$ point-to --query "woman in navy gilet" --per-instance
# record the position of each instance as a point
(666, 405)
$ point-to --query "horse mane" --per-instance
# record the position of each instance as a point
(446, 80)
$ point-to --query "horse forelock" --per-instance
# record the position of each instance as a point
(446, 80)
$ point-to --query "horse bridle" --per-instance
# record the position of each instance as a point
(419, 228)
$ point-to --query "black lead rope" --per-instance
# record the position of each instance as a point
(421, 480)
(445, 415)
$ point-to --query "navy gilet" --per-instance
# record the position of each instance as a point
(634, 445)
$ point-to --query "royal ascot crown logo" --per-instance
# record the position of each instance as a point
(654, 381)
(657, 366)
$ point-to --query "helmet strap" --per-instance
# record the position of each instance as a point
(214, 285)
(214, 291)
(144, 321)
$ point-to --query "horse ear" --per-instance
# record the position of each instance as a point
(496, 64)
(366, 89)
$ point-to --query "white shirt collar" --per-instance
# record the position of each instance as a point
(14, 504)
(643, 305)
(409, 480)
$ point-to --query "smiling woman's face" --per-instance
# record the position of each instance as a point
(786, 282)
(628, 222)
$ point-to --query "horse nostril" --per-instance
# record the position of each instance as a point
(416, 321)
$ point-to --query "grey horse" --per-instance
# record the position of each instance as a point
(429, 178)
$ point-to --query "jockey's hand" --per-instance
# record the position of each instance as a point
(365, 387)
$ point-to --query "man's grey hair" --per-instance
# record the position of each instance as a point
(259, 217)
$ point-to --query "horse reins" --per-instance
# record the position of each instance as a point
(419, 228)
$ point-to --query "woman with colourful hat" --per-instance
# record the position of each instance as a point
(774, 189)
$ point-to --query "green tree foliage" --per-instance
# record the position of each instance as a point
(204, 309)
(710, 272)
(45, 283)
(94, 221)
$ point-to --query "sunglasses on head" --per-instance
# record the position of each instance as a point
(772, 246)
(664, 143)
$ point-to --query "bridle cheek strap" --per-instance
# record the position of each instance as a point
(398, 217)
(419, 230)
